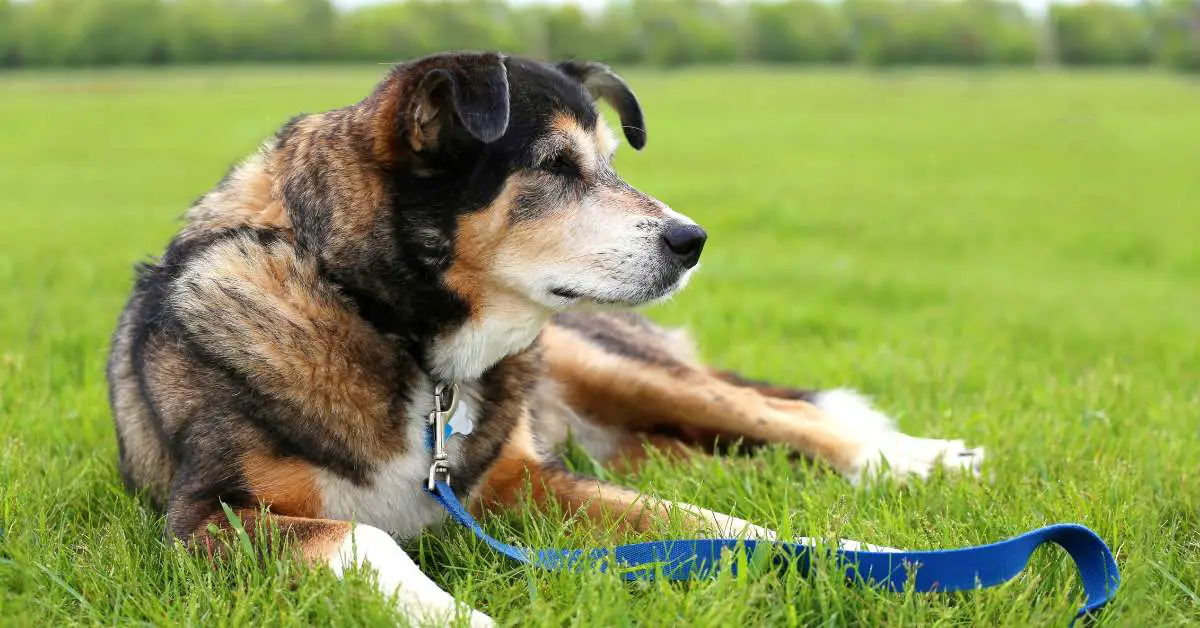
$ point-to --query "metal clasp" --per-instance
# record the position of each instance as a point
(445, 401)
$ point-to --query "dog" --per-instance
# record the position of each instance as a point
(462, 225)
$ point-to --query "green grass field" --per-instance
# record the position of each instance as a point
(1009, 258)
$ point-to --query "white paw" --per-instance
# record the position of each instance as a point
(885, 451)
(900, 456)
(419, 599)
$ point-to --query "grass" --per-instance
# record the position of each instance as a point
(1009, 258)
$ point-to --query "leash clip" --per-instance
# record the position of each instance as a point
(445, 401)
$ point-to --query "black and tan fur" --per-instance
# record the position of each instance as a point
(282, 352)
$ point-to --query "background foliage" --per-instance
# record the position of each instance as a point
(653, 32)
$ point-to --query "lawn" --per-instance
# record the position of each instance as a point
(1009, 258)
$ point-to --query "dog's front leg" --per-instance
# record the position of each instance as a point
(343, 546)
(418, 598)
(521, 466)
(602, 502)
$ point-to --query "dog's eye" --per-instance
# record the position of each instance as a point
(561, 165)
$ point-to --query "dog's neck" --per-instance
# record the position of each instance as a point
(468, 351)
(395, 271)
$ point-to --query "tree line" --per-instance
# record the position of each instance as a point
(874, 33)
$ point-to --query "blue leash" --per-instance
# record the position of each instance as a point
(963, 569)
(960, 569)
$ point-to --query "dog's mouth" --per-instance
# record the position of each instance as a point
(574, 296)
(566, 293)
(631, 296)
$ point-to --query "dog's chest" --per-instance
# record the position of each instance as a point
(394, 498)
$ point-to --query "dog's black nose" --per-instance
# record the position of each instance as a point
(686, 242)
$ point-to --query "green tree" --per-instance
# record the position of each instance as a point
(40, 36)
(391, 32)
(970, 32)
(206, 31)
(303, 30)
(679, 32)
(659, 32)
(798, 31)
(9, 50)
(382, 33)
(91, 32)
(571, 33)
(1179, 35)
(115, 32)
(1101, 34)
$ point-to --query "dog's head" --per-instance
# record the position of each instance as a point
(503, 178)
(471, 195)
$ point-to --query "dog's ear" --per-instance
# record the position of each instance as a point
(604, 84)
(429, 100)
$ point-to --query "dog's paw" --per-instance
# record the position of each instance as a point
(883, 451)
(900, 456)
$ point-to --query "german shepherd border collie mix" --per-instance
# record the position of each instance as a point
(281, 357)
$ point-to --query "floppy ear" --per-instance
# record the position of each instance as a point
(604, 84)
(433, 98)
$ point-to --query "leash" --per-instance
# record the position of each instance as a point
(961, 569)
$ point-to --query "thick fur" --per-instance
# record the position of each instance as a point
(280, 357)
